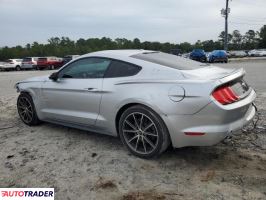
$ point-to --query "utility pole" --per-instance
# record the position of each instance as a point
(225, 12)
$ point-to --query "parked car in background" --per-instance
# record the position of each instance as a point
(11, 64)
(29, 63)
(237, 54)
(198, 55)
(175, 107)
(51, 62)
(185, 55)
(68, 58)
(263, 52)
(257, 52)
(218, 56)
(2, 66)
(176, 52)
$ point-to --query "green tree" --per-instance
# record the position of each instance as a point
(222, 37)
(250, 39)
(262, 39)
(236, 40)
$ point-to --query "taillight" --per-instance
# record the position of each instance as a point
(225, 95)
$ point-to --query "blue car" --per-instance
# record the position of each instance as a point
(218, 56)
(198, 55)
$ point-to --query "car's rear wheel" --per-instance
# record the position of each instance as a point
(26, 110)
(51, 67)
(143, 132)
(18, 68)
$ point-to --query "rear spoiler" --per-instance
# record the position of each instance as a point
(234, 75)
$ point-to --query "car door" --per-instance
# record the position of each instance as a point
(76, 95)
(26, 63)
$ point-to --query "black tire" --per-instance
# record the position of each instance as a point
(26, 110)
(143, 117)
(51, 67)
(18, 68)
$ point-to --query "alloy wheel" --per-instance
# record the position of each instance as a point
(25, 109)
(140, 133)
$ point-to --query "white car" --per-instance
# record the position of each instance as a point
(29, 63)
(238, 54)
(257, 52)
(11, 64)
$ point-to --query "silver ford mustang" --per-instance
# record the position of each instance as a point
(149, 99)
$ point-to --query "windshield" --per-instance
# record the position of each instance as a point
(169, 60)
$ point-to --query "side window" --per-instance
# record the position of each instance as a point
(26, 59)
(86, 68)
(121, 69)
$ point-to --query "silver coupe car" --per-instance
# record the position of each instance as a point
(149, 99)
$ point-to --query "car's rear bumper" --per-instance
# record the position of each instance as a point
(213, 122)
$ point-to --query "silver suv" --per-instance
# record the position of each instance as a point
(29, 63)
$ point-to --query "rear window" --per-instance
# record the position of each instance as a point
(169, 60)
(121, 69)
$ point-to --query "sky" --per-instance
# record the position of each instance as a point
(26, 21)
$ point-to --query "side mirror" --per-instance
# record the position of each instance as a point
(54, 76)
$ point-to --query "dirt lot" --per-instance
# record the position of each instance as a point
(83, 165)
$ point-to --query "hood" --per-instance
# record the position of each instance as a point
(36, 79)
(209, 73)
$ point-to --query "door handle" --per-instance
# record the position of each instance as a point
(92, 89)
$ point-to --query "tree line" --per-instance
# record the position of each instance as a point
(65, 46)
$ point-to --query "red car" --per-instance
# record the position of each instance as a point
(49, 63)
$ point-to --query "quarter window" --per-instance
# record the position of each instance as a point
(86, 68)
(121, 69)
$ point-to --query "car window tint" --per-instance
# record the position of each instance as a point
(169, 60)
(86, 68)
(121, 69)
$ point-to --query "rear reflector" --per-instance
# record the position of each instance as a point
(225, 95)
(194, 133)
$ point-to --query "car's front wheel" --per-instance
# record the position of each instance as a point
(143, 132)
(26, 110)
(18, 68)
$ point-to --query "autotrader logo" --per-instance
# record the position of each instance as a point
(26, 193)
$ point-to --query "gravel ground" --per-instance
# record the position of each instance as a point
(84, 165)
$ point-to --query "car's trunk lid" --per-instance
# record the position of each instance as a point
(229, 85)
(209, 73)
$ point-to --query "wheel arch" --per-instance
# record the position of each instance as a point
(123, 108)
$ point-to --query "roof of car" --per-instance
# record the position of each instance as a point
(124, 52)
